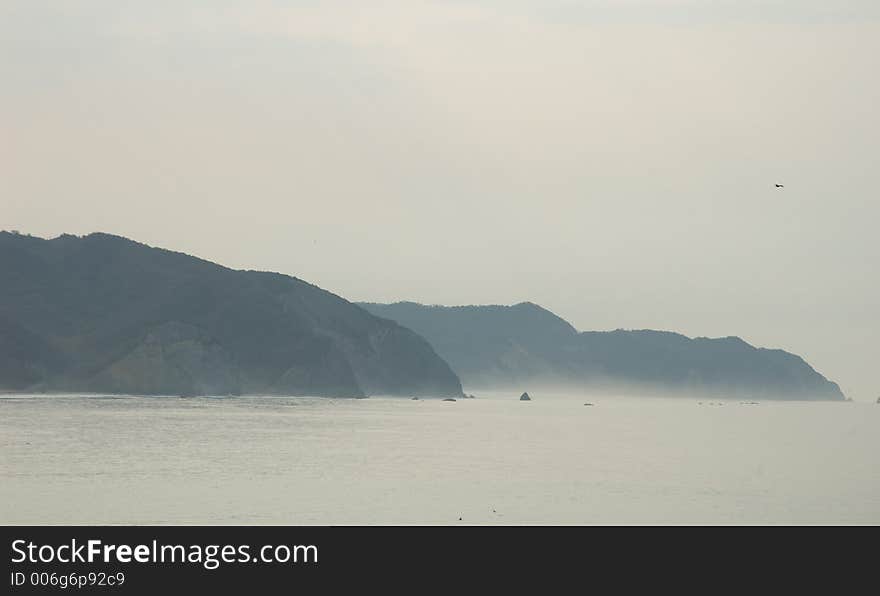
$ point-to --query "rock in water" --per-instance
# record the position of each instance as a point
(525, 397)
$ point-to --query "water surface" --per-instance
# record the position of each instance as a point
(491, 460)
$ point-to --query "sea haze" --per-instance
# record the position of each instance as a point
(489, 460)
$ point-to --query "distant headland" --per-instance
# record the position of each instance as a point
(525, 345)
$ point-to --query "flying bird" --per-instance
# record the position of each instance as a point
(779, 186)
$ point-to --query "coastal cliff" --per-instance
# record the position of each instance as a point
(101, 313)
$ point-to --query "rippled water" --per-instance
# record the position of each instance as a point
(491, 460)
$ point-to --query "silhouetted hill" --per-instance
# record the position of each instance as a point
(526, 346)
(105, 314)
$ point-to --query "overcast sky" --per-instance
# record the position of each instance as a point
(613, 161)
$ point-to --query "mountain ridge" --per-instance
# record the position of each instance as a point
(494, 346)
(102, 313)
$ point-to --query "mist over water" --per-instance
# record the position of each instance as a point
(490, 460)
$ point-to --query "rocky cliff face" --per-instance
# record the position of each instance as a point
(105, 314)
(526, 345)
(173, 358)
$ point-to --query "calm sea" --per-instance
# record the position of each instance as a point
(490, 460)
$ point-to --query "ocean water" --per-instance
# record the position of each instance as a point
(490, 460)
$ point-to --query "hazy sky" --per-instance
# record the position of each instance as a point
(613, 161)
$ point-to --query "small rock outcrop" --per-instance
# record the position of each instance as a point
(525, 397)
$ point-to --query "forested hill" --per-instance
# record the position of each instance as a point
(524, 346)
(101, 313)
